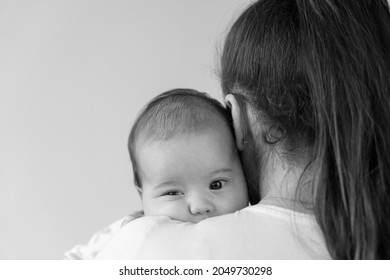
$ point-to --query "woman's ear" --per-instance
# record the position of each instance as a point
(139, 190)
(231, 101)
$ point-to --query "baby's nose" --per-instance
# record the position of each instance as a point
(200, 205)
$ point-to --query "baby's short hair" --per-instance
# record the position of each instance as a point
(176, 112)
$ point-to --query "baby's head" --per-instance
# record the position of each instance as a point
(185, 162)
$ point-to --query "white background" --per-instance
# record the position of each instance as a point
(73, 76)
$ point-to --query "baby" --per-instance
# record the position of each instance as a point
(185, 162)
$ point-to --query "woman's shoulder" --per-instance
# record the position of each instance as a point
(99, 239)
(269, 232)
(256, 232)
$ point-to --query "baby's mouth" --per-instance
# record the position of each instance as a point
(200, 218)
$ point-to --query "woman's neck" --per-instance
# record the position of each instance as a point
(279, 185)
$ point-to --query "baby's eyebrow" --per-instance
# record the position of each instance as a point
(221, 170)
(168, 184)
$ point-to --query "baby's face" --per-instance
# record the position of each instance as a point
(191, 177)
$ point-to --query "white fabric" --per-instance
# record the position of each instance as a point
(256, 232)
(99, 240)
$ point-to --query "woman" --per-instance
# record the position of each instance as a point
(315, 76)
(308, 85)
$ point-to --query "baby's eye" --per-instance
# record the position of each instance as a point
(173, 193)
(216, 185)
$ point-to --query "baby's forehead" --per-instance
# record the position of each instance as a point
(197, 155)
(226, 136)
(164, 132)
(190, 123)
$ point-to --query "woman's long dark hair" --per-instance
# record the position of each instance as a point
(320, 72)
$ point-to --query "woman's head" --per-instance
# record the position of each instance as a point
(315, 76)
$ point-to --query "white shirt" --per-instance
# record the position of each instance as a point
(256, 232)
(99, 240)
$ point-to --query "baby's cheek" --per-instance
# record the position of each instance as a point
(240, 199)
(150, 206)
(161, 207)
